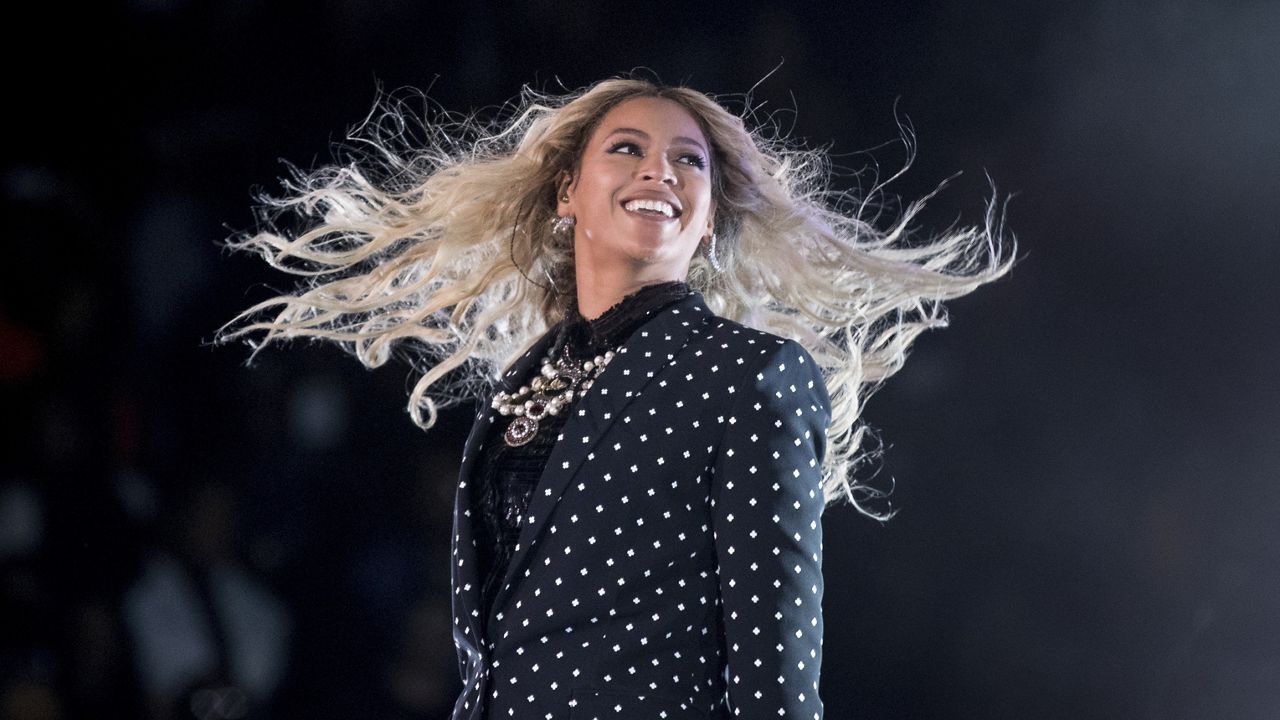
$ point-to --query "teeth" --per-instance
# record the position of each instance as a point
(652, 206)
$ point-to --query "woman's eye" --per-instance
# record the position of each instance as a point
(626, 148)
(693, 159)
(630, 148)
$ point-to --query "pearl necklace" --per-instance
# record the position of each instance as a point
(559, 383)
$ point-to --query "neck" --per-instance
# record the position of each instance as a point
(600, 289)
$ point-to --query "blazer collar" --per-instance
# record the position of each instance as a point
(653, 345)
(466, 581)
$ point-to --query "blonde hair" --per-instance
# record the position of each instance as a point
(446, 240)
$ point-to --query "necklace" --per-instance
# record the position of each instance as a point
(558, 384)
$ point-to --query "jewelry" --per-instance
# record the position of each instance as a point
(711, 254)
(557, 385)
(563, 226)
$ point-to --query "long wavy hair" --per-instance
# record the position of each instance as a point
(434, 241)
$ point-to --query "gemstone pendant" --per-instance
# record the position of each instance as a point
(520, 431)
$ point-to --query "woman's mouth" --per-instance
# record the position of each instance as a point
(658, 209)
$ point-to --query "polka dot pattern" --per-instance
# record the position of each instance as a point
(669, 564)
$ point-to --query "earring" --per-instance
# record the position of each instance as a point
(562, 227)
(711, 254)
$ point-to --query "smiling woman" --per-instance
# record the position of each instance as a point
(641, 200)
(682, 324)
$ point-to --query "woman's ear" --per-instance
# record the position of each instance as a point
(562, 194)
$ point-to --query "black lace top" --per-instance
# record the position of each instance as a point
(508, 475)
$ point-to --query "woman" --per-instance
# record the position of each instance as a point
(637, 526)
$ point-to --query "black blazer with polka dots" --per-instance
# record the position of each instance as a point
(669, 564)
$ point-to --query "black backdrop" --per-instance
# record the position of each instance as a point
(1086, 461)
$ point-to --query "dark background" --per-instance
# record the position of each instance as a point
(1086, 462)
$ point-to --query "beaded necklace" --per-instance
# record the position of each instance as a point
(557, 385)
(562, 379)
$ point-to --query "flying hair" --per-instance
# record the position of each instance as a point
(431, 240)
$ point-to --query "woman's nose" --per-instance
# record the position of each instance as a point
(656, 167)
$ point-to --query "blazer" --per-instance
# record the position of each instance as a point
(669, 564)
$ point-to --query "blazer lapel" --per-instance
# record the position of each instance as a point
(466, 582)
(650, 348)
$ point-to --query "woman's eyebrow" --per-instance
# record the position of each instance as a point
(682, 139)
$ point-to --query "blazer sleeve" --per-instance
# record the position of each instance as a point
(766, 515)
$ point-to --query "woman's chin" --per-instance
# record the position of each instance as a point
(653, 252)
(662, 258)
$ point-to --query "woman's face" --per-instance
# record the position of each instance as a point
(642, 193)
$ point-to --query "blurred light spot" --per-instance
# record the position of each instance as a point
(317, 413)
(21, 521)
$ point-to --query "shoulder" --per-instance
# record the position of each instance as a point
(758, 361)
(734, 352)
(756, 349)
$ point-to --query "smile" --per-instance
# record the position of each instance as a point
(651, 207)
